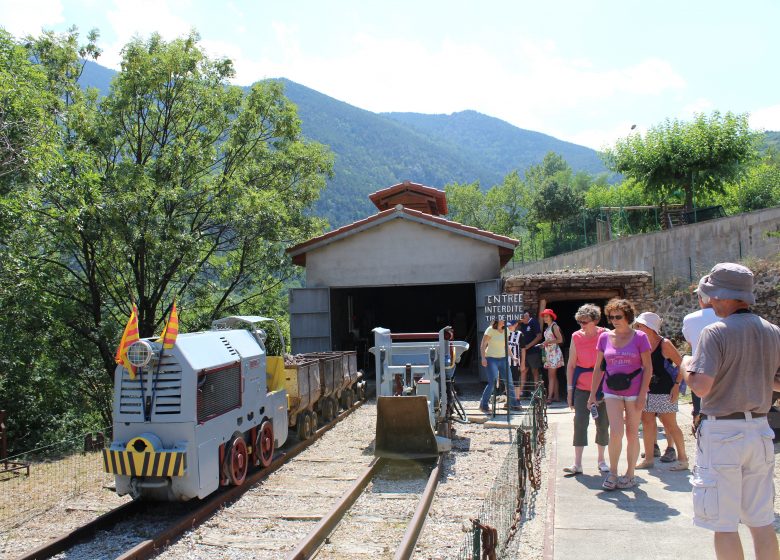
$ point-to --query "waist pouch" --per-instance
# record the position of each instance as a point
(620, 381)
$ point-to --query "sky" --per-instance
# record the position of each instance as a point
(584, 72)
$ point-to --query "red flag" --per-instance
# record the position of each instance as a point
(171, 330)
(128, 337)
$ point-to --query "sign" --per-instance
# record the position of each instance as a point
(503, 307)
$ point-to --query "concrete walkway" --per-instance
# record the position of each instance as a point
(651, 521)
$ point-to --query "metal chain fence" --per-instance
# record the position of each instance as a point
(514, 491)
(34, 482)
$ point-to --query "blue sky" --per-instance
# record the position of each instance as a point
(580, 71)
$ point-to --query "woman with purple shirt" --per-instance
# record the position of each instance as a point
(627, 354)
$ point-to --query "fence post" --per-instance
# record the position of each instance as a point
(3, 442)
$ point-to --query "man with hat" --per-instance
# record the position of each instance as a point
(734, 370)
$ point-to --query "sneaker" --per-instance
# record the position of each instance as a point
(603, 467)
(512, 407)
(656, 451)
(669, 456)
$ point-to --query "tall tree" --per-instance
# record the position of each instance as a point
(175, 184)
(700, 156)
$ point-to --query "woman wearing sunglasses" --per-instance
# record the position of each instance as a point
(626, 382)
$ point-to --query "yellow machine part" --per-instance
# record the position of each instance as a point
(144, 463)
(403, 428)
(274, 374)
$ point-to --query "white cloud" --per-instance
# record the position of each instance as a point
(766, 118)
(129, 18)
(29, 17)
(531, 87)
(601, 138)
(701, 105)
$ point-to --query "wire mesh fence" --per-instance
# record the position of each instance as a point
(51, 476)
(514, 489)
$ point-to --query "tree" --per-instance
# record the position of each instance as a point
(501, 209)
(695, 157)
(174, 185)
(26, 115)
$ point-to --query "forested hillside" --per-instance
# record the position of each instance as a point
(373, 151)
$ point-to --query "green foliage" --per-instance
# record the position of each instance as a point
(27, 112)
(701, 156)
(173, 185)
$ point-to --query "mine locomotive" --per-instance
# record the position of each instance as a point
(197, 416)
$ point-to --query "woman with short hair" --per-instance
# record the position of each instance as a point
(579, 374)
(626, 382)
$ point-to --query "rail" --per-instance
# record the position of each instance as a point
(177, 527)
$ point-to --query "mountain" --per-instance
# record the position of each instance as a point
(376, 150)
(497, 143)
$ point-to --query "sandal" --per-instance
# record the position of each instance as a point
(574, 469)
(679, 466)
(610, 482)
(646, 464)
(603, 467)
(624, 482)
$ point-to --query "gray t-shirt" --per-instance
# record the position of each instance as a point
(742, 354)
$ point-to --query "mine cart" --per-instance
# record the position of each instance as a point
(302, 381)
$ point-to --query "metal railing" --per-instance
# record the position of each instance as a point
(57, 473)
(513, 493)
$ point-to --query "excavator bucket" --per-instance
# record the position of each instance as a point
(403, 428)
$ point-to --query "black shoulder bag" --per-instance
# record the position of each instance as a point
(620, 381)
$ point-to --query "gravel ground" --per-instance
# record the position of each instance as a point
(469, 472)
(69, 514)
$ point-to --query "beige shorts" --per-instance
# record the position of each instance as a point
(733, 477)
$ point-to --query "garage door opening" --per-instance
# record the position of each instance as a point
(565, 311)
(356, 311)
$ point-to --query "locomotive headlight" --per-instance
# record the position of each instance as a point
(140, 353)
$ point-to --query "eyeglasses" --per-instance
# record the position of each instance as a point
(614, 317)
(583, 323)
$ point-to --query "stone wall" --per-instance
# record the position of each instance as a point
(567, 285)
(637, 286)
(679, 255)
(675, 306)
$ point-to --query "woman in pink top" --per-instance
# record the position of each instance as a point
(627, 353)
(579, 372)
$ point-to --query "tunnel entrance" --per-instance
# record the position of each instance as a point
(425, 308)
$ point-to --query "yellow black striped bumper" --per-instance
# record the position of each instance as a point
(145, 463)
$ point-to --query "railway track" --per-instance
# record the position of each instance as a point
(139, 522)
(385, 506)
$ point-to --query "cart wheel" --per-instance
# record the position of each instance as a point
(237, 461)
(303, 426)
(327, 410)
(313, 420)
(265, 444)
(349, 398)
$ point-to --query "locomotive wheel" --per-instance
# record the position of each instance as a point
(265, 444)
(238, 461)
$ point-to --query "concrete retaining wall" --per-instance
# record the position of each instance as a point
(682, 254)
